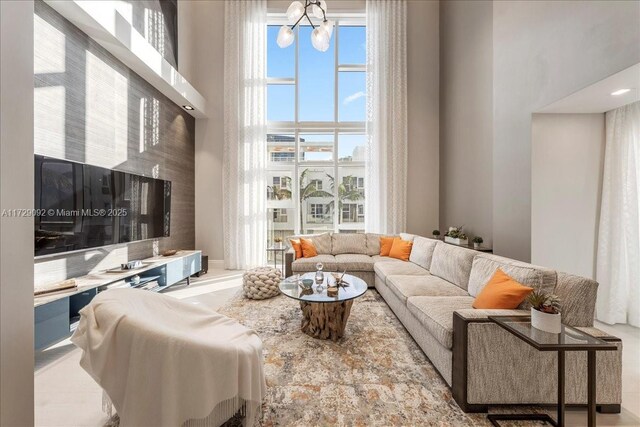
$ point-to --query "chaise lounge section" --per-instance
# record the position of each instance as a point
(432, 295)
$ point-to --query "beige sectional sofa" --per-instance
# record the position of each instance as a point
(432, 295)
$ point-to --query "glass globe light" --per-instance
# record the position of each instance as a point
(320, 39)
(327, 26)
(317, 12)
(285, 36)
(295, 11)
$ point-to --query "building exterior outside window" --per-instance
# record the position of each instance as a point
(316, 137)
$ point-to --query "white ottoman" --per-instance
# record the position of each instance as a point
(261, 282)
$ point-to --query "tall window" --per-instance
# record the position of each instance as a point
(316, 138)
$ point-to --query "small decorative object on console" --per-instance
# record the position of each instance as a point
(169, 252)
(131, 265)
(456, 235)
(477, 241)
(436, 234)
(545, 312)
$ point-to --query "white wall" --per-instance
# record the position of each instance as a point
(423, 83)
(466, 119)
(567, 155)
(16, 234)
(543, 51)
(201, 61)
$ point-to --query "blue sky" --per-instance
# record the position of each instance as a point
(316, 74)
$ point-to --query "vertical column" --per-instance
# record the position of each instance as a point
(16, 233)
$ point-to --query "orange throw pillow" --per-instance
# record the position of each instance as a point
(502, 291)
(308, 248)
(400, 249)
(385, 245)
(297, 247)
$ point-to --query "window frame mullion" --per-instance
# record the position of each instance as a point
(336, 179)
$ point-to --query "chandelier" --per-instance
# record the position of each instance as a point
(321, 34)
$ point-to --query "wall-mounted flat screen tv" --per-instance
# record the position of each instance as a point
(80, 206)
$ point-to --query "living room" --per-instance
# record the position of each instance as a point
(320, 212)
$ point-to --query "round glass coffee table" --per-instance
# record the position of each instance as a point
(324, 316)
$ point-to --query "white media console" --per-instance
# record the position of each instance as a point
(56, 315)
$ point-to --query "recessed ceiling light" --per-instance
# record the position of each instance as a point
(189, 107)
(620, 92)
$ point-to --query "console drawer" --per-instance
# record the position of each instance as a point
(51, 323)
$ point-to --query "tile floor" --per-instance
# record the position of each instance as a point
(67, 396)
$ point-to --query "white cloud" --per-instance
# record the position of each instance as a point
(349, 99)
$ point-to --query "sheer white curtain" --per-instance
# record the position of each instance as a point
(386, 190)
(618, 260)
(244, 204)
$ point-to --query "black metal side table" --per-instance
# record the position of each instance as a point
(570, 339)
(278, 248)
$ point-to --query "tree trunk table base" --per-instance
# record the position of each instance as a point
(325, 320)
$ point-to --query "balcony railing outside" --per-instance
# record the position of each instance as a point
(319, 219)
(352, 218)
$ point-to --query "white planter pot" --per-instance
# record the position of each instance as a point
(477, 245)
(546, 321)
(456, 241)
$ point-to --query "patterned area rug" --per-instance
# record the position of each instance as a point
(374, 376)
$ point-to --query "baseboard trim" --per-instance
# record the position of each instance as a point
(216, 264)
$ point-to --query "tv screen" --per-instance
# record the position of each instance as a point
(80, 206)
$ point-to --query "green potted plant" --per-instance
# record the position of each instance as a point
(545, 312)
(477, 241)
(436, 234)
(456, 236)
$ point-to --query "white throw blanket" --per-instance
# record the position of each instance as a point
(163, 362)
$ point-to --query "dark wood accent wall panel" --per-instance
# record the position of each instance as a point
(90, 108)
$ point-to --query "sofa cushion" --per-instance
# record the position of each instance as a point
(405, 286)
(304, 265)
(296, 245)
(308, 248)
(502, 292)
(386, 243)
(408, 237)
(384, 269)
(373, 243)
(485, 265)
(354, 262)
(452, 263)
(422, 251)
(436, 314)
(322, 242)
(348, 243)
(401, 249)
